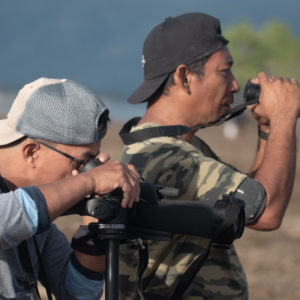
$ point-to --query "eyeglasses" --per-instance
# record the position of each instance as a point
(78, 161)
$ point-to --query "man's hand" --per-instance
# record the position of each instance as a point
(110, 175)
(118, 175)
(114, 174)
(274, 167)
(279, 99)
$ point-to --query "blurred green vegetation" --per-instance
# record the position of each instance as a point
(271, 48)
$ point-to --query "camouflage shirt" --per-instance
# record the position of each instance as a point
(201, 176)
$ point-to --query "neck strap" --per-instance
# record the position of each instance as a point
(129, 138)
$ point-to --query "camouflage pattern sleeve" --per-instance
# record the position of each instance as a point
(174, 163)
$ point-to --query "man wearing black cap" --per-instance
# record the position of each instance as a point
(188, 81)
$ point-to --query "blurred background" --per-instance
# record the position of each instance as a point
(99, 44)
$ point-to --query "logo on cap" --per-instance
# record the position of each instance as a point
(143, 60)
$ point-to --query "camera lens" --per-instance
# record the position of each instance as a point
(251, 93)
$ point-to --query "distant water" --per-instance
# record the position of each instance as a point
(6, 100)
(120, 109)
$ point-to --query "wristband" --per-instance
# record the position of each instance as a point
(263, 134)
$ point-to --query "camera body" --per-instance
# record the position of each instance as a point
(251, 93)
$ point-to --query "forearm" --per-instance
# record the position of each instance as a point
(275, 170)
(63, 194)
(260, 151)
(94, 263)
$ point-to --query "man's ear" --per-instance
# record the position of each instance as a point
(182, 78)
(30, 150)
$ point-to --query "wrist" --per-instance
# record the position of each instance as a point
(89, 181)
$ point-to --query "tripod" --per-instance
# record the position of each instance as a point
(113, 234)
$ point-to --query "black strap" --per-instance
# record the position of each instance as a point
(141, 135)
(190, 273)
(27, 266)
(183, 283)
(222, 224)
(3, 185)
(42, 270)
(147, 133)
(143, 263)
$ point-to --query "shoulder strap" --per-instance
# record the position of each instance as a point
(190, 273)
(27, 266)
(220, 237)
(3, 185)
(184, 280)
(226, 212)
(141, 135)
(42, 269)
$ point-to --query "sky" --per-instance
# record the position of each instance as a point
(99, 42)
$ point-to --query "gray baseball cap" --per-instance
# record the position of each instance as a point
(56, 110)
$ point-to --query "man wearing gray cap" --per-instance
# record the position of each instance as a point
(52, 130)
(188, 81)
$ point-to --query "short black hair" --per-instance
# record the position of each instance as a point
(195, 68)
(103, 122)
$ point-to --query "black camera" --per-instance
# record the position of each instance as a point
(251, 93)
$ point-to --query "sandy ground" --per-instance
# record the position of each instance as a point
(271, 259)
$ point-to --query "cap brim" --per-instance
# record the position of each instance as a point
(146, 89)
(7, 134)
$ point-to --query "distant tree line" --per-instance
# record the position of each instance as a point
(272, 48)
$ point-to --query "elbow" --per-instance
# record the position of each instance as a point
(272, 215)
(273, 224)
(267, 222)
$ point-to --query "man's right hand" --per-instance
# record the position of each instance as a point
(63, 194)
(114, 174)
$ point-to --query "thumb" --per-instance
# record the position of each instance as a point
(104, 157)
(75, 172)
(263, 78)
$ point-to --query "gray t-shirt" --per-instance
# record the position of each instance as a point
(16, 226)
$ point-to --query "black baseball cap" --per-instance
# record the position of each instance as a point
(184, 39)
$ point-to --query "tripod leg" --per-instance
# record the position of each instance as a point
(112, 269)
